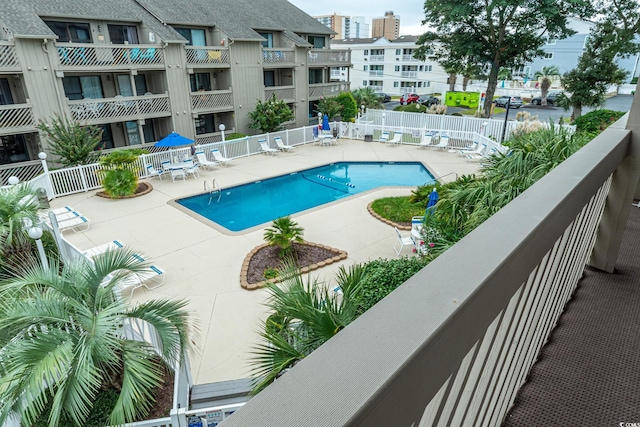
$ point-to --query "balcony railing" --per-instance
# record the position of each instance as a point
(207, 56)
(410, 89)
(86, 56)
(409, 58)
(16, 118)
(8, 58)
(286, 93)
(214, 100)
(122, 108)
(327, 89)
(376, 88)
(330, 57)
(376, 73)
(376, 58)
(278, 57)
(409, 74)
(453, 344)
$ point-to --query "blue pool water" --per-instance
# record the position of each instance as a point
(248, 205)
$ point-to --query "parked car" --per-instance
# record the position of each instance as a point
(514, 101)
(428, 100)
(409, 98)
(551, 99)
(384, 97)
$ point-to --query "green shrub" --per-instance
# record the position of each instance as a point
(282, 233)
(72, 143)
(397, 209)
(597, 121)
(385, 275)
(234, 135)
(349, 106)
(457, 114)
(270, 273)
(102, 406)
(120, 177)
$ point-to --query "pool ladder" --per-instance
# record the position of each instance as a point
(214, 189)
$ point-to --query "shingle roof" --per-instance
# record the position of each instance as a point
(24, 17)
(370, 40)
(237, 18)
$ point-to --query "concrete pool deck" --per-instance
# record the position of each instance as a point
(203, 264)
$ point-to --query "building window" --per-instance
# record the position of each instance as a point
(365, 68)
(364, 83)
(133, 136)
(148, 131)
(551, 42)
(194, 36)
(315, 76)
(395, 84)
(397, 68)
(119, 34)
(366, 52)
(427, 84)
(398, 51)
(419, 84)
(428, 67)
(548, 55)
(5, 92)
(269, 78)
(268, 42)
(76, 32)
(107, 137)
(82, 87)
(421, 68)
(200, 82)
(13, 148)
(318, 42)
(205, 123)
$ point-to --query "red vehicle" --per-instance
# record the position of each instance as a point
(409, 98)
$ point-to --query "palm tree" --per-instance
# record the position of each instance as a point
(282, 233)
(62, 340)
(18, 208)
(368, 97)
(304, 316)
(544, 77)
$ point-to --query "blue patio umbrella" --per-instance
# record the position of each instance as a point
(173, 140)
(325, 122)
(431, 204)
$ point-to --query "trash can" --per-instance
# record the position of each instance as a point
(43, 199)
(368, 138)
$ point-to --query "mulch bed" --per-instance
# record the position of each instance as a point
(142, 189)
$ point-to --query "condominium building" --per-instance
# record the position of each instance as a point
(389, 66)
(140, 69)
(345, 26)
(387, 26)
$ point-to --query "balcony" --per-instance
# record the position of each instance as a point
(278, 58)
(376, 73)
(8, 59)
(207, 57)
(327, 89)
(409, 58)
(121, 108)
(376, 58)
(81, 57)
(16, 118)
(212, 101)
(329, 57)
(453, 344)
(286, 93)
(409, 74)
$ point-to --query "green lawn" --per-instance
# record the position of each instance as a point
(397, 209)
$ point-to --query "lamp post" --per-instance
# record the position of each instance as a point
(13, 180)
(222, 127)
(362, 111)
(506, 117)
(384, 115)
(35, 233)
(483, 127)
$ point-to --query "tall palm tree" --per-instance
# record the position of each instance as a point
(304, 316)
(544, 77)
(368, 97)
(18, 207)
(62, 340)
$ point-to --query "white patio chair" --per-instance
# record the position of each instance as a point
(218, 157)
(281, 145)
(384, 137)
(79, 223)
(203, 161)
(427, 139)
(397, 139)
(443, 143)
(191, 168)
(264, 147)
(477, 152)
(177, 175)
(166, 165)
(402, 241)
(153, 172)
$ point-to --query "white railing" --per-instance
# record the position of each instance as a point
(214, 100)
(89, 55)
(376, 88)
(278, 56)
(376, 73)
(329, 57)
(123, 107)
(8, 58)
(409, 74)
(410, 89)
(286, 93)
(409, 58)
(376, 58)
(327, 89)
(16, 117)
(207, 55)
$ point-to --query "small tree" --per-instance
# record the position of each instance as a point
(544, 77)
(72, 143)
(329, 106)
(269, 115)
(368, 97)
(120, 172)
(282, 233)
(349, 106)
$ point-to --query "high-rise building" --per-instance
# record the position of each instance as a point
(345, 26)
(387, 26)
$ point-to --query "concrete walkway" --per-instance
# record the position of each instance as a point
(203, 264)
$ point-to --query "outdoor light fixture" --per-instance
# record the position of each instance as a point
(36, 233)
(13, 180)
(42, 155)
(222, 127)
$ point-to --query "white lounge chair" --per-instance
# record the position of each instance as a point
(178, 174)
(402, 241)
(218, 157)
(264, 147)
(153, 172)
(443, 142)
(397, 139)
(477, 152)
(152, 274)
(203, 161)
(427, 139)
(281, 145)
(79, 223)
(191, 168)
(62, 210)
(384, 137)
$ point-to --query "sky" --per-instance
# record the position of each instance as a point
(411, 12)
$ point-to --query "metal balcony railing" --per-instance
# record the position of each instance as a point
(409, 74)
(286, 93)
(409, 58)
(214, 100)
(376, 58)
(278, 56)
(207, 56)
(330, 57)
(8, 58)
(16, 118)
(376, 73)
(87, 56)
(121, 108)
(327, 89)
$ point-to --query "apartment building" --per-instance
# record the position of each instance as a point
(140, 69)
(389, 66)
(345, 26)
(387, 26)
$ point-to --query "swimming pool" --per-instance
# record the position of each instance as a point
(245, 206)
